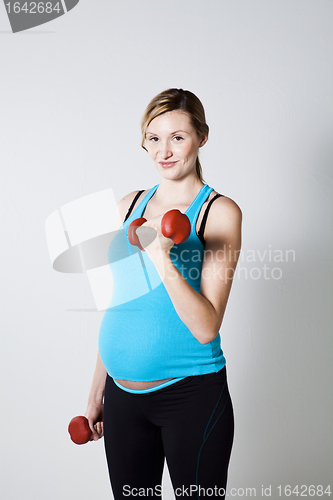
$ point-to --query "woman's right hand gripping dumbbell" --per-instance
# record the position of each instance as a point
(88, 427)
(94, 415)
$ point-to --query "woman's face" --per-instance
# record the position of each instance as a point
(173, 144)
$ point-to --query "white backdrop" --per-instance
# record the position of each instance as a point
(72, 95)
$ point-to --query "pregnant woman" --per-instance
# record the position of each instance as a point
(160, 391)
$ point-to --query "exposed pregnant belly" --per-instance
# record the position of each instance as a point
(129, 384)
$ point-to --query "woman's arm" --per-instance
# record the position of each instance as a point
(94, 411)
(97, 387)
(203, 312)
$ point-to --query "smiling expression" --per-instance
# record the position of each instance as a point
(173, 143)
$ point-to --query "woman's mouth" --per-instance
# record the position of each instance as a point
(167, 164)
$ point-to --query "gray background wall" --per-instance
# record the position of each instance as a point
(72, 95)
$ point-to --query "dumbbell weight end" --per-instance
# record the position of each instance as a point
(132, 236)
(176, 225)
(79, 430)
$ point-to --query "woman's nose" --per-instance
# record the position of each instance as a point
(165, 150)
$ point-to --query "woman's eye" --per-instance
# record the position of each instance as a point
(153, 139)
(178, 138)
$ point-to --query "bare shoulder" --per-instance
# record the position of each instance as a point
(226, 207)
(224, 217)
(128, 198)
(125, 203)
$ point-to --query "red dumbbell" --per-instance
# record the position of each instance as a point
(174, 225)
(79, 430)
(132, 236)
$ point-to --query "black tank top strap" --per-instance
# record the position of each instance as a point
(204, 219)
(132, 205)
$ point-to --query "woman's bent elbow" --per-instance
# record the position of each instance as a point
(206, 338)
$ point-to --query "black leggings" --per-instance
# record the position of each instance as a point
(190, 423)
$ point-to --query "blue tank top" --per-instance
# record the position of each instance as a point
(141, 336)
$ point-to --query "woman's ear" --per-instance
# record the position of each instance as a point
(203, 141)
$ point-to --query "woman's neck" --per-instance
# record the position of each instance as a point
(173, 192)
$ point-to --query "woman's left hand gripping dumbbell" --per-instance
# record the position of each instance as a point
(153, 242)
(172, 227)
(158, 235)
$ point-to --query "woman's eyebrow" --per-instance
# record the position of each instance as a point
(172, 133)
(182, 131)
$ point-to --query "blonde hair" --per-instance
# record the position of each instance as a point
(172, 100)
